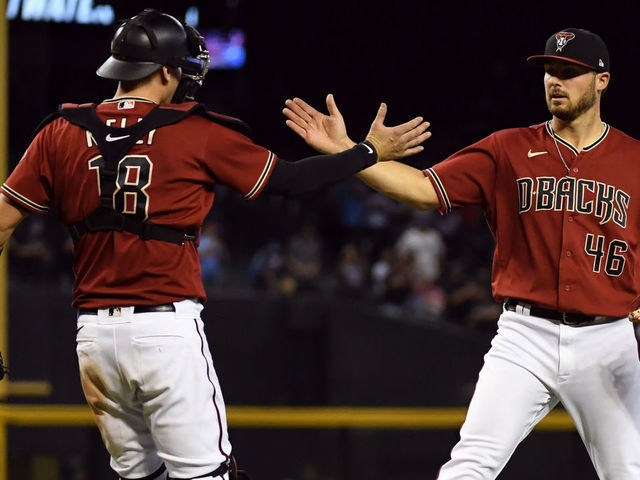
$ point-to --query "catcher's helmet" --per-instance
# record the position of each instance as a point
(151, 39)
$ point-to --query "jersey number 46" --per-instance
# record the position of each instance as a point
(615, 261)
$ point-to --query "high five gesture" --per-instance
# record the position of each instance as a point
(328, 133)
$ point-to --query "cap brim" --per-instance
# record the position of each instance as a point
(542, 59)
(115, 69)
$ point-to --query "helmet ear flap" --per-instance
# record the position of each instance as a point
(195, 40)
(191, 81)
(198, 48)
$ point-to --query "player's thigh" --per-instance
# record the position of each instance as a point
(515, 386)
(182, 399)
(512, 395)
(508, 401)
(604, 399)
(117, 414)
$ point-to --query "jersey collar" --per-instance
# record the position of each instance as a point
(599, 140)
(119, 99)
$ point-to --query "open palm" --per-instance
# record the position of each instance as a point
(325, 133)
(328, 133)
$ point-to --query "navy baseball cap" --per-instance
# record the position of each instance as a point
(578, 46)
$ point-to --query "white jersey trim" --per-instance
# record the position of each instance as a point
(605, 132)
(599, 140)
(262, 178)
(443, 193)
(138, 99)
(24, 200)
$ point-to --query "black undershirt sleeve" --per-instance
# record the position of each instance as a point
(317, 172)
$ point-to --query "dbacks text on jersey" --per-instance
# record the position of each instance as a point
(581, 195)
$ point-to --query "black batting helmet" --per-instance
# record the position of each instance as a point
(151, 39)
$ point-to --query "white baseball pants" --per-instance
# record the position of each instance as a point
(533, 364)
(150, 382)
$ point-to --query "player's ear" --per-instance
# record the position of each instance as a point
(602, 81)
(166, 73)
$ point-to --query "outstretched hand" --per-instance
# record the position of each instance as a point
(399, 141)
(324, 133)
(328, 133)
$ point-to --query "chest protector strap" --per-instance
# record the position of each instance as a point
(114, 143)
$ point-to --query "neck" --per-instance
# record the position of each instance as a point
(139, 93)
(582, 131)
(155, 93)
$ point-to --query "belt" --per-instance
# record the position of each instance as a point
(567, 318)
(167, 307)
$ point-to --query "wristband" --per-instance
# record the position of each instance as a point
(370, 149)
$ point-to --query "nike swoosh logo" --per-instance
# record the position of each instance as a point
(109, 138)
(531, 154)
(369, 149)
(79, 328)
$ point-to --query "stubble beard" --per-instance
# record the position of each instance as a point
(574, 110)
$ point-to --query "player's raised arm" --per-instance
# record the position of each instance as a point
(401, 182)
(328, 134)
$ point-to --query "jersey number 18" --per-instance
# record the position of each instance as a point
(133, 177)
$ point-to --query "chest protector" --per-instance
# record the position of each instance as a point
(105, 218)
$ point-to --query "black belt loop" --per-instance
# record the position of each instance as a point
(566, 318)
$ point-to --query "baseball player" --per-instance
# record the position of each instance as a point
(133, 178)
(562, 201)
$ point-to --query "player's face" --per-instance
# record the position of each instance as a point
(570, 89)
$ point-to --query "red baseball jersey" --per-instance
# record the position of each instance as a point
(168, 177)
(562, 233)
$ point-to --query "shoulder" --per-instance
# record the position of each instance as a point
(620, 137)
(201, 110)
(508, 139)
(520, 132)
(64, 106)
(55, 120)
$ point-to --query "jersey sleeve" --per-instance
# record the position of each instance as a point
(467, 177)
(239, 163)
(29, 185)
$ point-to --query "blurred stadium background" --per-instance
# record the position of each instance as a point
(322, 305)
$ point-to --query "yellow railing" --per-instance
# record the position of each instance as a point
(400, 418)
(405, 418)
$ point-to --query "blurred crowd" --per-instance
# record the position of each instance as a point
(347, 241)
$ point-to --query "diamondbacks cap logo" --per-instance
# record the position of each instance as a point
(562, 38)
